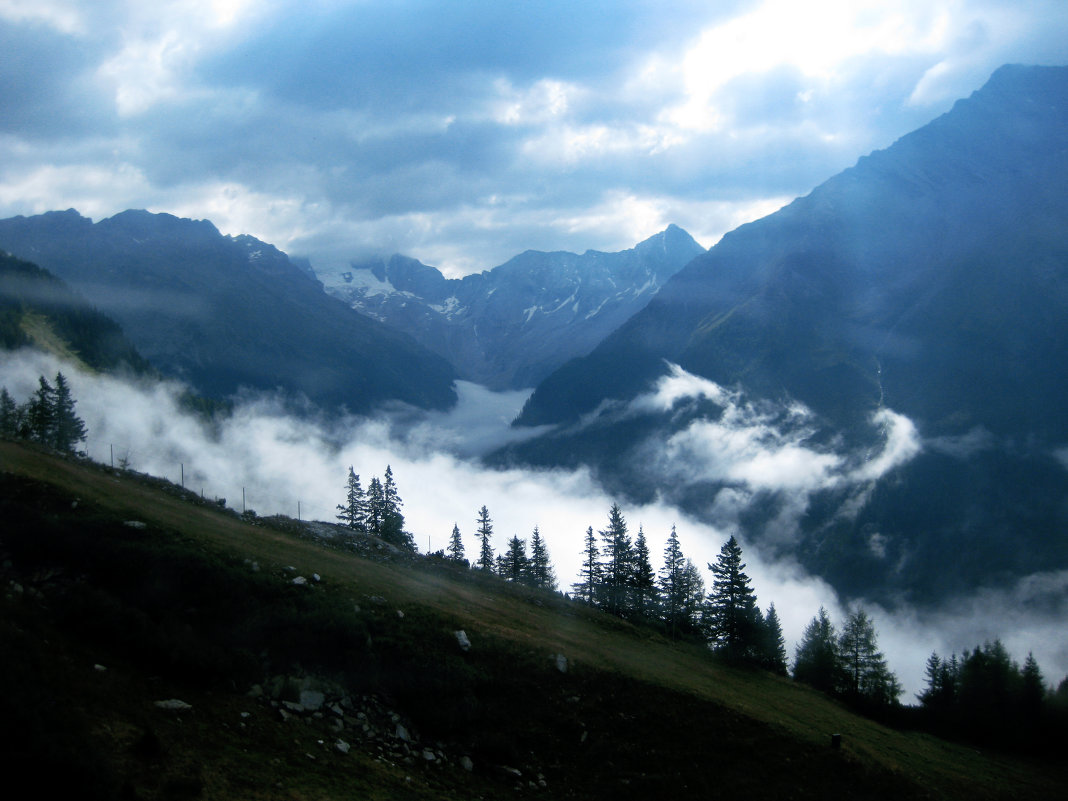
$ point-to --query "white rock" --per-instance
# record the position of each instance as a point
(312, 699)
(342, 746)
(462, 641)
(300, 581)
(561, 663)
(135, 524)
(466, 763)
(175, 704)
(402, 733)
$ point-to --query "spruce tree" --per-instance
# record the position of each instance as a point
(353, 513)
(376, 507)
(816, 661)
(617, 564)
(694, 609)
(456, 545)
(41, 412)
(773, 646)
(8, 414)
(392, 518)
(734, 620)
(587, 588)
(514, 565)
(672, 585)
(67, 428)
(643, 580)
(485, 531)
(541, 569)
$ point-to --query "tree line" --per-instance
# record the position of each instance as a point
(47, 417)
(981, 695)
(376, 511)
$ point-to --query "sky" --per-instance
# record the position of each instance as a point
(463, 133)
(281, 464)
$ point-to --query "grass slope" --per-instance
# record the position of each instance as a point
(196, 604)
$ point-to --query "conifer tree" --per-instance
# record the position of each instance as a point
(816, 661)
(8, 414)
(587, 588)
(392, 518)
(67, 428)
(456, 545)
(694, 609)
(353, 513)
(514, 565)
(643, 580)
(41, 413)
(867, 677)
(734, 620)
(617, 564)
(541, 569)
(773, 646)
(485, 531)
(672, 587)
(375, 507)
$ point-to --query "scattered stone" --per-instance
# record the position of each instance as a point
(300, 581)
(402, 734)
(561, 663)
(342, 746)
(512, 771)
(466, 763)
(99, 668)
(316, 578)
(336, 709)
(585, 734)
(292, 706)
(255, 691)
(174, 704)
(284, 715)
(135, 524)
(429, 755)
(312, 700)
(462, 641)
(400, 614)
(246, 715)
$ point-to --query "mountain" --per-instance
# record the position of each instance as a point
(38, 309)
(912, 309)
(229, 312)
(511, 326)
(158, 646)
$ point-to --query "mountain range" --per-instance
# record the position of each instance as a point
(913, 309)
(510, 327)
(869, 381)
(226, 313)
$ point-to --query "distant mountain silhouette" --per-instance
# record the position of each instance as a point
(229, 312)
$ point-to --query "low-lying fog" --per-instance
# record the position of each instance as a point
(280, 460)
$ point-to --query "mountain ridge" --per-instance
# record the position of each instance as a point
(510, 326)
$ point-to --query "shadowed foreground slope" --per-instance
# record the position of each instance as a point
(121, 591)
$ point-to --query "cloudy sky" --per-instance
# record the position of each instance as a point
(464, 132)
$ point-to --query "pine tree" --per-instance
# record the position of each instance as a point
(816, 660)
(375, 507)
(41, 413)
(485, 531)
(773, 646)
(353, 513)
(643, 580)
(541, 569)
(617, 564)
(1032, 689)
(587, 588)
(672, 586)
(9, 417)
(514, 565)
(734, 620)
(694, 609)
(392, 518)
(456, 545)
(67, 428)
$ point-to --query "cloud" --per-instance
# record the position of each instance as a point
(464, 135)
(277, 461)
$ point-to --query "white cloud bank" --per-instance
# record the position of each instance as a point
(280, 460)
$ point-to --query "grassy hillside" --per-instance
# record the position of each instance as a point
(118, 592)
